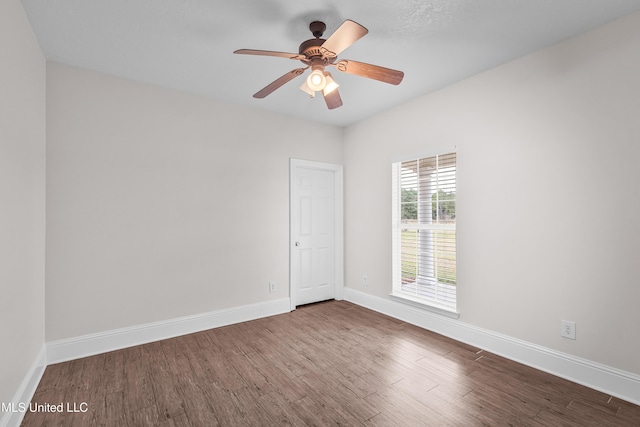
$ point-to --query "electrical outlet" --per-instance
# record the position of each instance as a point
(365, 280)
(568, 329)
(272, 286)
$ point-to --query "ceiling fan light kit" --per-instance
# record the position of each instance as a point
(319, 53)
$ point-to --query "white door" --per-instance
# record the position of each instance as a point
(316, 232)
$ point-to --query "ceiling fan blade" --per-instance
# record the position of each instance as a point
(278, 82)
(269, 53)
(386, 75)
(347, 34)
(332, 99)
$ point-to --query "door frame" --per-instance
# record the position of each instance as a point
(338, 223)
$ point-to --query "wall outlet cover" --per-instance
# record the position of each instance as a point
(568, 329)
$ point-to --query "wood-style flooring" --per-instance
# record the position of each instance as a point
(331, 363)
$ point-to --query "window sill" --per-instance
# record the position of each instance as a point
(424, 305)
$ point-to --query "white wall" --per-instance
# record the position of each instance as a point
(22, 196)
(548, 196)
(162, 204)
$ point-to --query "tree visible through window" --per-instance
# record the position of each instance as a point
(424, 229)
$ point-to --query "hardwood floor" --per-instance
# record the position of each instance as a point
(332, 363)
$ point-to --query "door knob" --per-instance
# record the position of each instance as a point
(297, 243)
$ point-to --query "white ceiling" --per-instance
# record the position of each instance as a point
(188, 44)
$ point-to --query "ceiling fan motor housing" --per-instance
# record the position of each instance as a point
(311, 48)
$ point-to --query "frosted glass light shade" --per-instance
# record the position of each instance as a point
(330, 86)
(316, 80)
(305, 88)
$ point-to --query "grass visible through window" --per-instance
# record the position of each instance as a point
(443, 264)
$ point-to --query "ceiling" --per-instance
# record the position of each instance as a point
(188, 44)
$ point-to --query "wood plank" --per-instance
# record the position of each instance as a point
(280, 410)
(626, 411)
(169, 403)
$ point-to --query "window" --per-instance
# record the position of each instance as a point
(424, 231)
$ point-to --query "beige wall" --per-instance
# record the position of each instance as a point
(548, 196)
(22, 196)
(162, 204)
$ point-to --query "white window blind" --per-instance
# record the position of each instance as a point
(424, 230)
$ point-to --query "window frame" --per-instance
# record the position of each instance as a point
(398, 294)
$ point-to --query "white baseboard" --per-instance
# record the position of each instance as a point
(26, 391)
(615, 382)
(88, 345)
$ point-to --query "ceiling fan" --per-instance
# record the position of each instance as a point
(317, 54)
